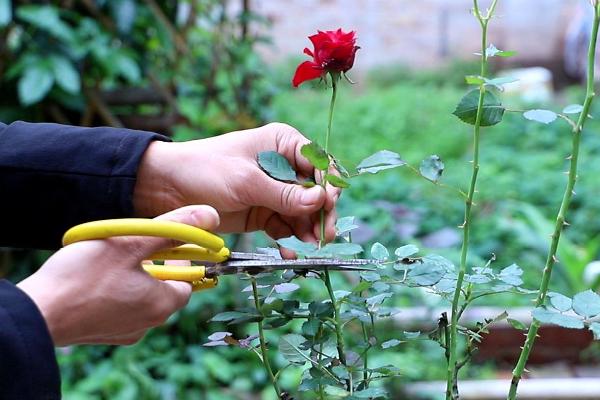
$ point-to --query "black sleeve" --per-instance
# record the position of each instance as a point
(28, 366)
(55, 176)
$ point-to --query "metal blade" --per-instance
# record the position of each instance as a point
(256, 266)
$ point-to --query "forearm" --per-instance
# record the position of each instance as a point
(54, 176)
(28, 368)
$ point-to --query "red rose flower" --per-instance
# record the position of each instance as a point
(333, 52)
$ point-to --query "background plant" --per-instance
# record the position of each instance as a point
(396, 107)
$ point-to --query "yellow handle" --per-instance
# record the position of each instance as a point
(202, 245)
(195, 275)
(143, 227)
(191, 252)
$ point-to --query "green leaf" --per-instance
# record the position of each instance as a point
(493, 51)
(315, 154)
(320, 309)
(370, 393)
(498, 82)
(65, 75)
(336, 391)
(290, 348)
(595, 328)
(336, 181)
(492, 112)
(518, 325)
(380, 161)
(379, 252)
(126, 66)
(308, 183)
(340, 168)
(412, 335)
(559, 301)
(289, 307)
(341, 372)
(364, 285)
(344, 225)
(391, 343)
(550, 317)
(5, 12)
(474, 80)
(573, 109)
(586, 304)
(370, 276)
(228, 316)
(47, 19)
(286, 287)
(338, 249)
(429, 271)
(406, 251)
(511, 275)
(311, 327)
(432, 168)
(35, 83)
(542, 116)
(276, 165)
(297, 245)
(378, 299)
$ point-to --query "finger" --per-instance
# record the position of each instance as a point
(330, 219)
(277, 228)
(288, 199)
(140, 247)
(333, 194)
(172, 296)
(121, 340)
(289, 142)
(303, 228)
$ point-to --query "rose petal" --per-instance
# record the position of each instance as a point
(305, 72)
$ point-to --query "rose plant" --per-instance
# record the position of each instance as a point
(320, 343)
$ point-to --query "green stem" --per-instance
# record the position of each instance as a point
(336, 317)
(326, 278)
(327, 135)
(451, 377)
(319, 358)
(564, 206)
(365, 358)
(263, 345)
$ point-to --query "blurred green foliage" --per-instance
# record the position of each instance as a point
(51, 56)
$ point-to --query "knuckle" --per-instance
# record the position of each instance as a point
(287, 196)
(160, 313)
(128, 246)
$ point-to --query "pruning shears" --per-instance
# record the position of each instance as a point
(200, 247)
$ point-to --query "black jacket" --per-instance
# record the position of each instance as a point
(51, 178)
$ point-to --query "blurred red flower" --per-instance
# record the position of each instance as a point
(333, 52)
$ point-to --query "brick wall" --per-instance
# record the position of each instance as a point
(419, 33)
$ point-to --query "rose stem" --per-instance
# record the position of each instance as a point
(566, 201)
(263, 345)
(452, 388)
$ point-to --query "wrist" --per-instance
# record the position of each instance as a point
(154, 192)
(46, 304)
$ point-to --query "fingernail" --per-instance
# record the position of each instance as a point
(311, 196)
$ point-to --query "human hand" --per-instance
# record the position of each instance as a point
(96, 291)
(223, 172)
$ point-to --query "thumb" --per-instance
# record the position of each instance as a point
(289, 199)
(201, 216)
